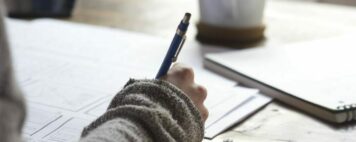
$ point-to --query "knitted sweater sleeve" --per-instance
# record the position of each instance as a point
(147, 110)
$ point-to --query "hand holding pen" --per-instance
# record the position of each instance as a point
(181, 75)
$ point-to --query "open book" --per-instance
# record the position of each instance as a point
(317, 77)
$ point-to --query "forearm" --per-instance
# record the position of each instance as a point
(148, 111)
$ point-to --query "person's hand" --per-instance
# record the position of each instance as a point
(183, 77)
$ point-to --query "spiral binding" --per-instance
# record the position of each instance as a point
(350, 111)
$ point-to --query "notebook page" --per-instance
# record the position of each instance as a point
(309, 70)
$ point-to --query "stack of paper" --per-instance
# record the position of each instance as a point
(70, 72)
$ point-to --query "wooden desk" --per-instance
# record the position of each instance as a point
(287, 22)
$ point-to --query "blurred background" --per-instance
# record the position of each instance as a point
(342, 2)
(299, 19)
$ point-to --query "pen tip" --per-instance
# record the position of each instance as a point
(188, 14)
(186, 17)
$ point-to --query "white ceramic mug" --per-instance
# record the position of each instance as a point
(232, 13)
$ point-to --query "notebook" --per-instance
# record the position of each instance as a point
(317, 77)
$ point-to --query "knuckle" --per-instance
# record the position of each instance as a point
(203, 92)
(203, 97)
(200, 92)
(205, 113)
(185, 73)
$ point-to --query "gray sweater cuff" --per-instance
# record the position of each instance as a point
(159, 109)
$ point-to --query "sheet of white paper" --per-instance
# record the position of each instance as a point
(100, 108)
(225, 106)
(244, 110)
(37, 119)
(69, 131)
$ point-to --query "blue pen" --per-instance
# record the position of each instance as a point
(175, 47)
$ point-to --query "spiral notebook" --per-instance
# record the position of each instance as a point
(317, 77)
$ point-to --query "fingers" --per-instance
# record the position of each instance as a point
(203, 112)
(203, 92)
(182, 72)
(199, 93)
(182, 76)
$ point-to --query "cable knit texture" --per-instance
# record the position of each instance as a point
(147, 110)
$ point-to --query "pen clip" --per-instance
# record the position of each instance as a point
(179, 48)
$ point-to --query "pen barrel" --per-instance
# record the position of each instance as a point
(175, 46)
(183, 26)
(168, 59)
